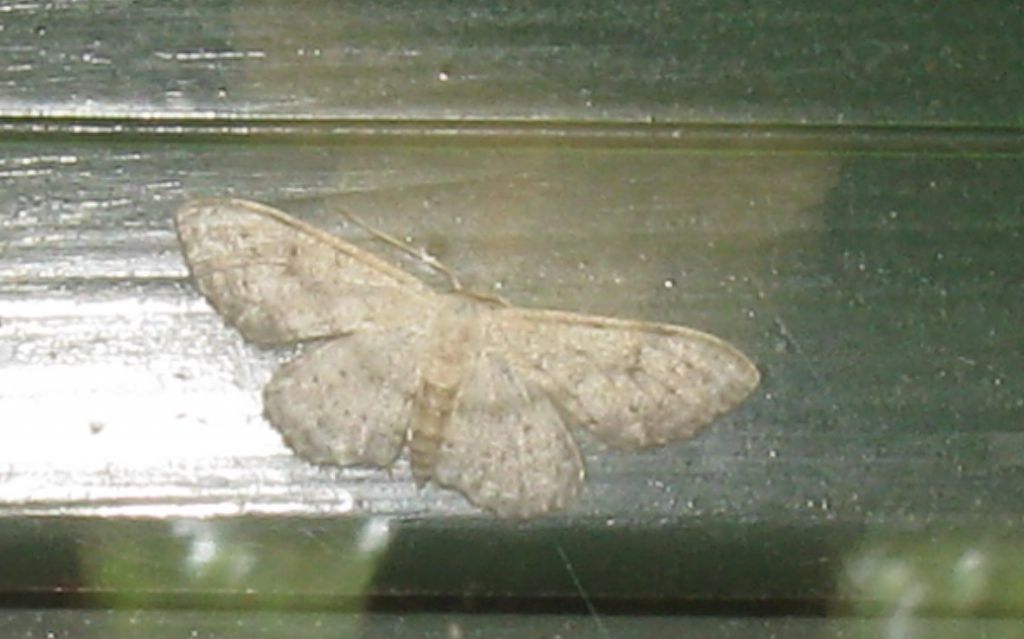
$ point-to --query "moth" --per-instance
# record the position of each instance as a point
(483, 394)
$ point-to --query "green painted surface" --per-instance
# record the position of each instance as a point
(837, 191)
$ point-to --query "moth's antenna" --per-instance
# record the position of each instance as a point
(425, 257)
(420, 254)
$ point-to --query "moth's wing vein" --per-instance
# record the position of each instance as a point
(505, 446)
(280, 280)
(595, 369)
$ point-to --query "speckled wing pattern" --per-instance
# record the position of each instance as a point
(633, 384)
(279, 280)
(496, 404)
(506, 447)
(348, 401)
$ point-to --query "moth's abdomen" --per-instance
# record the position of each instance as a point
(434, 404)
(453, 339)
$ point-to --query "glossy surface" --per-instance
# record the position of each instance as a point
(872, 270)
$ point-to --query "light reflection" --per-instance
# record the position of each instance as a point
(207, 556)
(150, 421)
(79, 310)
(285, 560)
(375, 535)
(902, 581)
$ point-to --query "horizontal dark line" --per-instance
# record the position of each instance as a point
(898, 139)
(70, 599)
(602, 606)
(476, 605)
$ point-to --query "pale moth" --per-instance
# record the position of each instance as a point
(483, 394)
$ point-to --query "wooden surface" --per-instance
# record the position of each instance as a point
(836, 191)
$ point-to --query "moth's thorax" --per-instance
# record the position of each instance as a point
(453, 337)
